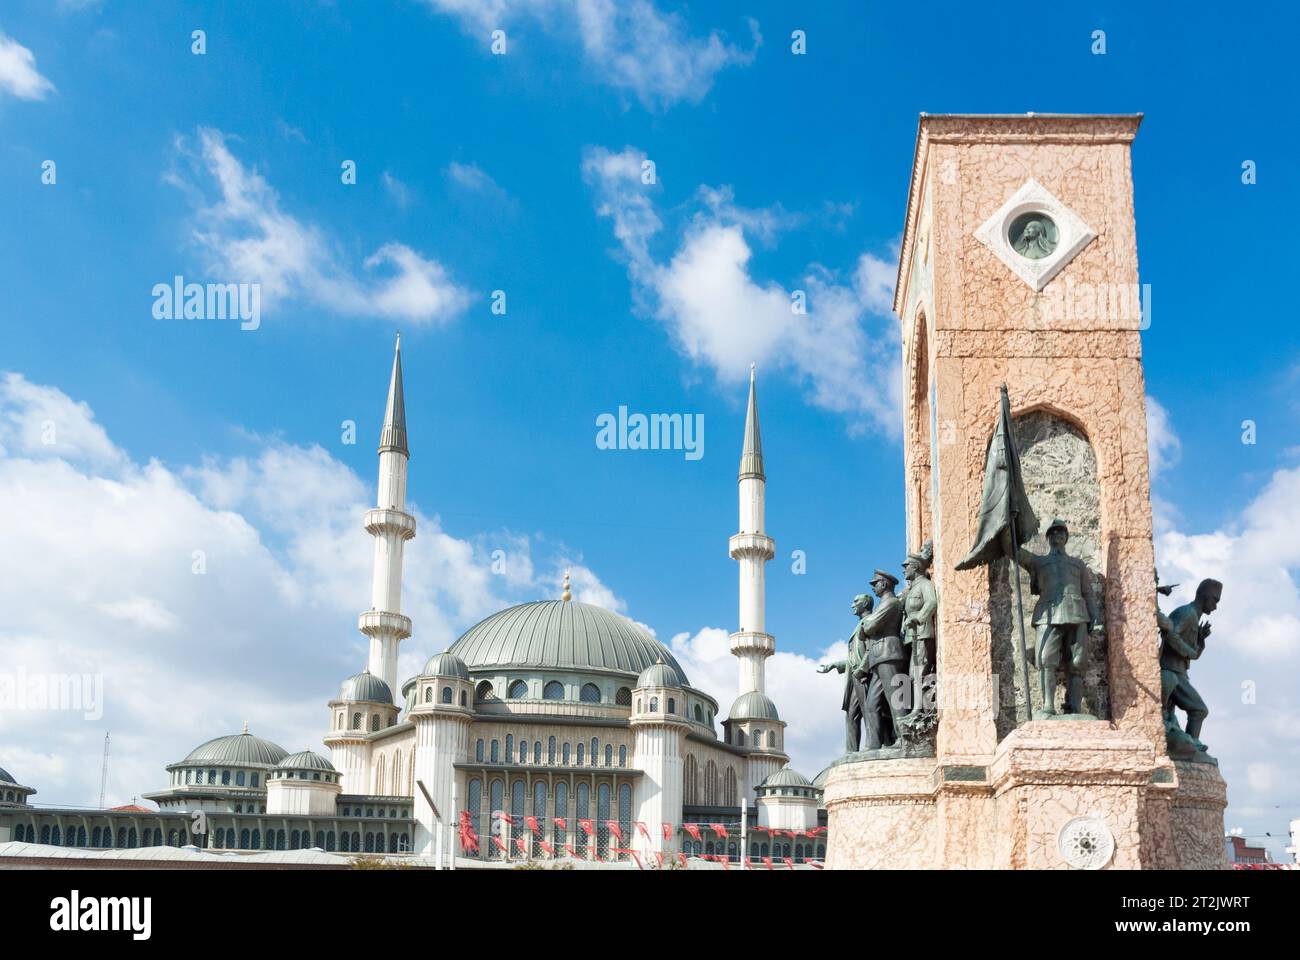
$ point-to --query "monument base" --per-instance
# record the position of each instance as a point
(1056, 794)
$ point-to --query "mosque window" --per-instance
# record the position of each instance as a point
(446, 695)
(428, 694)
(483, 691)
(518, 689)
(582, 812)
(740, 738)
(510, 747)
(239, 808)
(564, 755)
(550, 750)
(758, 738)
(254, 783)
(356, 721)
(475, 802)
(595, 751)
(730, 796)
(582, 749)
(374, 722)
(537, 751)
(602, 820)
(496, 756)
(622, 755)
(654, 704)
(478, 751)
(672, 705)
(239, 778)
(638, 704)
(212, 776)
(539, 811)
(463, 698)
(771, 738)
(699, 714)
(623, 697)
(590, 693)
(553, 691)
(523, 751)
(225, 778)
(187, 776)
(609, 755)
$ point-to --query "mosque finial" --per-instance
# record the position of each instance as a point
(245, 726)
(566, 595)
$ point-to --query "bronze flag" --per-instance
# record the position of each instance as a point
(1003, 497)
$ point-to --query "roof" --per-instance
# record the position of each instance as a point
(659, 674)
(365, 686)
(786, 777)
(132, 808)
(753, 706)
(562, 635)
(306, 760)
(751, 455)
(6, 777)
(238, 748)
(393, 434)
(445, 664)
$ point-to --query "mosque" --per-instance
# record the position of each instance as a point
(551, 729)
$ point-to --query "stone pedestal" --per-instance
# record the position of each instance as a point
(881, 815)
(1196, 814)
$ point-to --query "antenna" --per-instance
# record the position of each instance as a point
(103, 774)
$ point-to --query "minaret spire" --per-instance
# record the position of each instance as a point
(391, 526)
(751, 455)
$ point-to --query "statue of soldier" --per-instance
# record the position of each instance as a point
(889, 695)
(1066, 616)
(920, 607)
(1182, 642)
(854, 668)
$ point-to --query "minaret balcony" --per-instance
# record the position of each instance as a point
(381, 521)
(381, 623)
(748, 641)
(758, 545)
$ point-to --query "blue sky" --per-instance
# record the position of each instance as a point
(478, 173)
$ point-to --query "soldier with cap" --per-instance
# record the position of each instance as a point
(920, 604)
(854, 668)
(889, 695)
(1183, 641)
(1066, 616)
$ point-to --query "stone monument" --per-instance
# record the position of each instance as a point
(1019, 267)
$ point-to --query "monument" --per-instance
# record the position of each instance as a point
(1018, 269)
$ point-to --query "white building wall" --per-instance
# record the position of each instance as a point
(658, 794)
(441, 740)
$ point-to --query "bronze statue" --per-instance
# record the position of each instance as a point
(920, 607)
(854, 668)
(1067, 618)
(1182, 636)
(888, 692)
(1035, 241)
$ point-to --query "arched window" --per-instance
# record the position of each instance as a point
(758, 738)
(582, 748)
(622, 755)
(654, 704)
(771, 738)
(590, 693)
(397, 774)
(428, 694)
(447, 695)
(602, 820)
(564, 755)
(539, 811)
(625, 812)
(463, 698)
(523, 751)
(537, 751)
(496, 751)
(595, 751)
(483, 691)
(518, 689)
(550, 750)
(239, 778)
(496, 800)
(672, 705)
(517, 798)
(253, 782)
(562, 811)
(729, 797)
(510, 747)
(554, 690)
(379, 775)
(356, 721)
(374, 722)
(740, 738)
(582, 812)
(478, 751)
(475, 801)
(691, 793)
(623, 697)
(699, 714)
(711, 784)
(609, 754)
(225, 778)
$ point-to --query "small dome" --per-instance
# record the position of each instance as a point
(659, 675)
(6, 778)
(238, 748)
(819, 781)
(305, 760)
(753, 706)
(786, 777)
(446, 664)
(366, 686)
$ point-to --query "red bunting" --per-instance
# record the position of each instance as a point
(500, 843)
(659, 858)
(550, 850)
(468, 836)
(641, 829)
(668, 831)
(630, 853)
(522, 845)
(532, 824)
(502, 815)
(788, 862)
(719, 829)
(681, 858)
(693, 829)
(613, 828)
(573, 853)
(587, 828)
(559, 822)
(817, 863)
(767, 862)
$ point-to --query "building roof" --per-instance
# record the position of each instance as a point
(445, 664)
(367, 687)
(306, 760)
(238, 748)
(751, 455)
(659, 674)
(753, 706)
(562, 635)
(393, 434)
(786, 777)
(5, 777)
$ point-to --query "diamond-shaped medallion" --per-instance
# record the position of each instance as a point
(1035, 234)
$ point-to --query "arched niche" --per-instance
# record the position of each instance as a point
(1060, 473)
(921, 434)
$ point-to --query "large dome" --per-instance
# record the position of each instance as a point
(562, 635)
(238, 748)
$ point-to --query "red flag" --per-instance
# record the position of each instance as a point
(571, 851)
(668, 831)
(502, 815)
(725, 861)
(500, 843)
(659, 858)
(468, 836)
(550, 850)
(758, 829)
(642, 830)
(532, 824)
(719, 829)
(586, 827)
(788, 862)
(613, 828)
(632, 854)
(817, 863)
(559, 822)
(693, 829)
(523, 847)
(681, 858)
(767, 862)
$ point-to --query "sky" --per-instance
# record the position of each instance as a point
(612, 209)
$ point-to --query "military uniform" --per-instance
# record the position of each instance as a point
(920, 602)
(888, 698)
(1183, 642)
(1065, 610)
(855, 692)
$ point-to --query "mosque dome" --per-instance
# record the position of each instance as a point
(445, 664)
(562, 635)
(659, 675)
(786, 777)
(306, 760)
(365, 686)
(6, 778)
(238, 748)
(753, 706)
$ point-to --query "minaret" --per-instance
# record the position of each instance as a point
(752, 548)
(391, 526)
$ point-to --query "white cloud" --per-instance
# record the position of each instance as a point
(1163, 445)
(632, 44)
(844, 348)
(247, 237)
(399, 191)
(18, 73)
